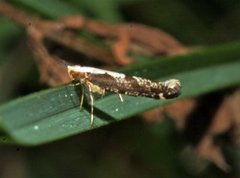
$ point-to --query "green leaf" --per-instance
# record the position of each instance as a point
(9, 34)
(54, 114)
(107, 10)
(53, 8)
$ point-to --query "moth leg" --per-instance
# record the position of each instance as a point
(90, 89)
(82, 98)
(76, 84)
(102, 92)
(92, 102)
(120, 97)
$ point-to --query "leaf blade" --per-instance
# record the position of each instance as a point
(54, 114)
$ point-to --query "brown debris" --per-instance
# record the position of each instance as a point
(235, 110)
(222, 122)
(52, 67)
(226, 117)
(178, 111)
(130, 37)
(208, 150)
(125, 37)
(54, 76)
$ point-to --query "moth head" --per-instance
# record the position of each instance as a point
(75, 72)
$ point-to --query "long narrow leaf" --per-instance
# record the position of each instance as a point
(54, 114)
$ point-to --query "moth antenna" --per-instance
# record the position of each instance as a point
(64, 62)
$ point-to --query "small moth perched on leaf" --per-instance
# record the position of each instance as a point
(98, 80)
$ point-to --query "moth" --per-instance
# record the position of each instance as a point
(99, 80)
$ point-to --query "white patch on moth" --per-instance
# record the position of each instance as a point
(137, 79)
(172, 83)
(93, 70)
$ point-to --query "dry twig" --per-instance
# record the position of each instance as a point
(125, 37)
